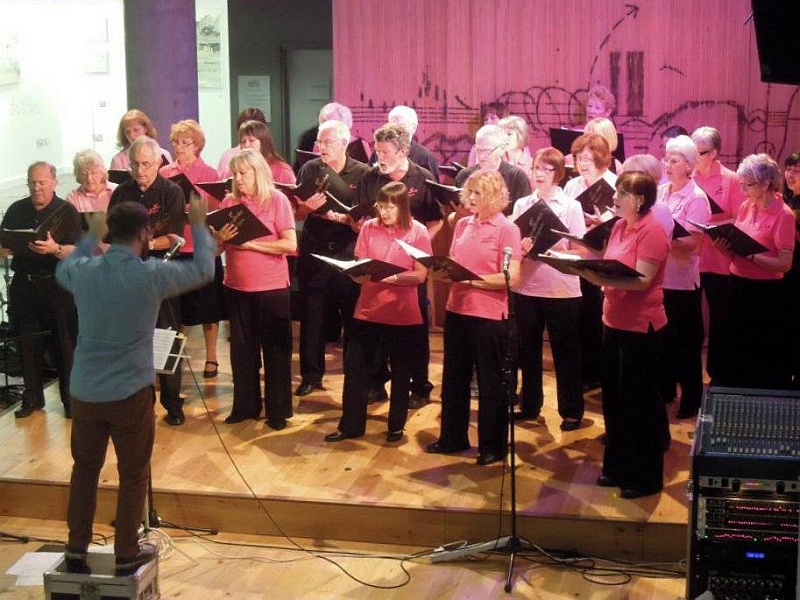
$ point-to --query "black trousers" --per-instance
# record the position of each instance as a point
(591, 332)
(39, 306)
(474, 342)
(716, 288)
(336, 291)
(420, 384)
(634, 413)
(682, 353)
(561, 317)
(169, 317)
(261, 327)
(401, 344)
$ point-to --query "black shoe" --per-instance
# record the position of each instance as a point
(525, 415)
(307, 387)
(175, 417)
(487, 458)
(277, 424)
(606, 481)
(570, 424)
(394, 436)
(26, 410)
(210, 373)
(75, 561)
(232, 419)
(377, 394)
(417, 401)
(128, 566)
(444, 448)
(338, 436)
(632, 493)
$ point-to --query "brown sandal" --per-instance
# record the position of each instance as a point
(210, 373)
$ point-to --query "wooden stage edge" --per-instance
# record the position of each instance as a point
(249, 479)
(366, 523)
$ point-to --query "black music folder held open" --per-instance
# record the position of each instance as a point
(217, 189)
(741, 243)
(600, 194)
(374, 268)
(238, 215)
(538, 223)
(606, 267)
(18, 239)
(448, 196)
(455, 271)
(594, 239)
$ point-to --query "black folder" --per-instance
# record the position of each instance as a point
(741, 243)
(595, 238)
(600, 194)
(217, 189)
(248, 225)
(119, 176)
(447, 196)
(538, 223)
(18, 239)
(561, 139)
(606, 267)
(187, 186)
(376, 269)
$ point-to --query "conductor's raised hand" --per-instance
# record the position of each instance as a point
(198, 207)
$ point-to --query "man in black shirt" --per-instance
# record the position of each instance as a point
(37, 302)
(489, 146)
(323, 290)
(161, 197)
(392, 146)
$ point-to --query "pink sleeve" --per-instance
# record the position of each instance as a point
(784, 232)
(284, 217)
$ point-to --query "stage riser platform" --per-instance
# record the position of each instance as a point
(320, 521)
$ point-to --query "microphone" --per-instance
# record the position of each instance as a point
(506, 258)
(177, 243)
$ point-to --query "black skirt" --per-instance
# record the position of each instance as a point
(206, 304)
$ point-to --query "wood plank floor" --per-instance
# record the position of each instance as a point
(363, 491)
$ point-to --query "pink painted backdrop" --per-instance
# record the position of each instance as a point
(682, 62)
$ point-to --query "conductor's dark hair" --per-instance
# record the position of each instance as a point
(674, 131)
(125, 220)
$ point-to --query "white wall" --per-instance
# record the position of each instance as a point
(70, 89)
(214, 102)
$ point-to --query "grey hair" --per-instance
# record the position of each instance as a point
(761, 168)
(709, 136)
(85, 160)
(684, 146)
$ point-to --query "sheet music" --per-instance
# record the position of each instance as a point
(167, 350)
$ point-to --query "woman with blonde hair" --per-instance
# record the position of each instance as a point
(257, 295)
(476, 328)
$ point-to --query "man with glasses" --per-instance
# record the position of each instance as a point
(325, 294)
(37, 302)
(722, 188)
(490, 143)
(160, 197)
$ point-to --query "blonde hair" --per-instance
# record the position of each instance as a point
(254, 160)
(603, 126)
(191, 129)
(491, 186)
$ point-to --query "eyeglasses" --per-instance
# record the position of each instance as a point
(585, 160)
(384, 208)
(671, 162)
(142, 165)
(704, 152)
(746, 185)
(543, 169)
(487, 151)
(328, 143)
(182, 143)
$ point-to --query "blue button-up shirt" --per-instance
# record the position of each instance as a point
(118, 296)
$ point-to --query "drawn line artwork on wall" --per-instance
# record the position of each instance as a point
(753, 116)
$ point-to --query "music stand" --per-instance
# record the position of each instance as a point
(511, 543)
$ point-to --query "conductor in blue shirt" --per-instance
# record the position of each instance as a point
(112, 386)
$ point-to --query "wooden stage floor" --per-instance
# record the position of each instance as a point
(247, 478)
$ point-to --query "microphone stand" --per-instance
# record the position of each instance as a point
(511, 543)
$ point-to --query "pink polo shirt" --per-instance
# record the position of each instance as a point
(722, 185)
(252, 271)
(541, 280)
(86, 202)
(631, 310)
(478, 246)
(686, 204)
(773, 227)
(386, 302)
